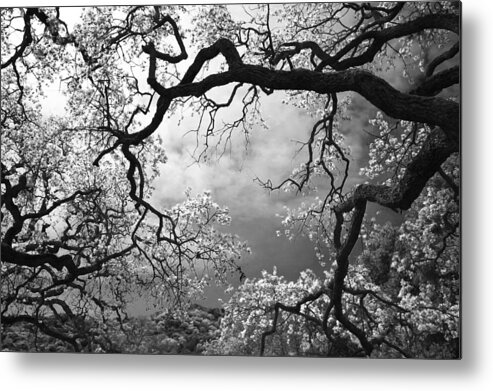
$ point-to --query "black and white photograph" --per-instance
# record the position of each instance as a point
(266, 180)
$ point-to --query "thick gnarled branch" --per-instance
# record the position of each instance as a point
(35, 260)
(433, 111)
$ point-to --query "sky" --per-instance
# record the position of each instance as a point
(270, 154)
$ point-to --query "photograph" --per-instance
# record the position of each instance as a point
(258, 179)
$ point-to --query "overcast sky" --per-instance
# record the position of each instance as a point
(271, 154)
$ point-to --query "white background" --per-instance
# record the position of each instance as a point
(473, 372)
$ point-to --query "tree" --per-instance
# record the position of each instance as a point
(79, 234)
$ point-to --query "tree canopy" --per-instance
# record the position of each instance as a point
(81, 237)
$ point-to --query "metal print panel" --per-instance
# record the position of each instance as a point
(258, 179)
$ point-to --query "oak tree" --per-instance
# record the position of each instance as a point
(80, 235)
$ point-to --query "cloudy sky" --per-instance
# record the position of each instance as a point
(270, 154)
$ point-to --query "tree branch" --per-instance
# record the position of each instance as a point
(35, 260)
(430, 110)
(442, 58)
(434, 84)
(26, 39)
(448, 22)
